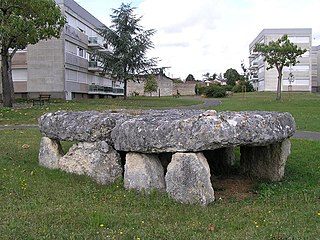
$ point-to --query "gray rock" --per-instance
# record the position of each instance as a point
(265, 162)
(221, 160)
(188, 179)
(49, 153)
(143, 172)
(97, 160)
(195, 130)
(87, 126)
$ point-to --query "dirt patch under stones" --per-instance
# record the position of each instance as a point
(235, 186)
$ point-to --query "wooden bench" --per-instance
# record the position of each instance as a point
(41, 100)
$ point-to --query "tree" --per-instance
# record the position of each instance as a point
(150, 84)
(279, 54)
(21, 23)
(209, 77)
(190, 77)
(232, 76)
(130, 43)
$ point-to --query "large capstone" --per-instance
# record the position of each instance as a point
(97, 160)
(196, 130)
(188, 179)
(86, 126)
(143, 172)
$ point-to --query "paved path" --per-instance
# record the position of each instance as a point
(208, 103)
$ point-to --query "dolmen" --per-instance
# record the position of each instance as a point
(176, 151)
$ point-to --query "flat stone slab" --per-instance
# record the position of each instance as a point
(196, 130)
(88, 126)
(157, 131)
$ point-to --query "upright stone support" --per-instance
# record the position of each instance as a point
(50, 152)
(143, 172)
(188, 179)
(97, 160)
(220, 160)
(265, 162)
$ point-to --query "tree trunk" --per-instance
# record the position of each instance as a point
(279, 84)
(7, 83)
(125, 89)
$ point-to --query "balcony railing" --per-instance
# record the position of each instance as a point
(112, 91)
(95, 66)
(98, 43)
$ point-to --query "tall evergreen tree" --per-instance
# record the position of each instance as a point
(129, 43)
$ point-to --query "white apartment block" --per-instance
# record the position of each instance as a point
(315, 58)
(266, 80)
(65, 67)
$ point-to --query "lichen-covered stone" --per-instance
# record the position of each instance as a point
(86, 126)
(97, 160)
(49, 153)
(143, 172)
(265, 162)
(195, 130)
(188, 179)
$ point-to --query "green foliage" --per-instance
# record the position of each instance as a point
(21, 23)
(279, 54)
(213, 90)
(130, 43)
(150, 84)
(190, 77)
(232, 76)
(209, 77)
(243, 85)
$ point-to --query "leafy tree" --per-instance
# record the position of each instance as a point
(190, 77)
(21, 23)
(209, 77)
(279, 54)
(130, 43)
(232, 76)
(150, 84)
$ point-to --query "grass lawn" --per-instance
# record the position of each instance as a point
(38, 203)
(305, 107)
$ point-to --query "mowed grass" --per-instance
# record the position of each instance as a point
(305, 107)
(25, 113)
(39, 203)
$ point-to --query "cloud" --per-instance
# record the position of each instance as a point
(212, 35)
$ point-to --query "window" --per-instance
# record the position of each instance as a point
(82, 53)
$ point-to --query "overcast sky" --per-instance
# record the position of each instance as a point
(210, 35)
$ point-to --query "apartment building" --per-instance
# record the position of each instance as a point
(266, 80)
(315, 58)
(65, 67)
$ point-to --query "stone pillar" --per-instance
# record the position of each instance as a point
(143, 172)
(220, 160)
(97, 160)
(188, 179)
(50, 152)
(265, 162)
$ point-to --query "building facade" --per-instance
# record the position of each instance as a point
(266, 80)
(315, 58)
(65, 67)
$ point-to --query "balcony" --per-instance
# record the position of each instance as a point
(101, 90)
(98, 43)
(95, 66)
(254, 55)
(254, 66)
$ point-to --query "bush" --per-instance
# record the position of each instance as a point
(216, 91)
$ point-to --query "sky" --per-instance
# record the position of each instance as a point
(197, 37)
